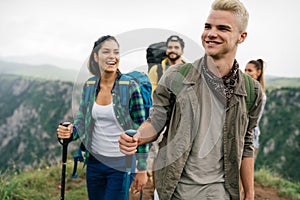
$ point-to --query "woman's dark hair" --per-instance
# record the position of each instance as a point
(93, 65)
(259, 64)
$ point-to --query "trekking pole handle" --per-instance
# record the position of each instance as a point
(64, 141)
(130, 132)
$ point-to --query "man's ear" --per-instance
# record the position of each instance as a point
(242, 38)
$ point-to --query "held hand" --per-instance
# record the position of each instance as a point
(64, 132)
(140, 181)
(128, 145)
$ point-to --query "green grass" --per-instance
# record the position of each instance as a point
(286, 188)
(42, 184)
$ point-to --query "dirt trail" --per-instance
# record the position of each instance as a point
(267, 193)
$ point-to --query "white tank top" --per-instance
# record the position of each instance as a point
(106, 131)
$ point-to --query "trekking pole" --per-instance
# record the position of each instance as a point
(141, 195)
(64, 143)
(130, 133)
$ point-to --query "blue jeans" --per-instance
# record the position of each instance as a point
(105, 178)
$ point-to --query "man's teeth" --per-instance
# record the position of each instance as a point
(110, 62)
(210, 42)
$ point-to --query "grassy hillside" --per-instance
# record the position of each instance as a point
(45, 184)
(42, 184)
(280, 133)
(286, 188)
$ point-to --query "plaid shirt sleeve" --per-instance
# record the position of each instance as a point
(137, 113)
(79, 123)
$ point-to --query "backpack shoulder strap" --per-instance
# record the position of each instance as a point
(89, 87)
(124, 91)
(159, 71)
(176, 88)
(183, 72)
(250, 98)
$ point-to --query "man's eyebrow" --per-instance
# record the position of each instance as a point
(224, 27)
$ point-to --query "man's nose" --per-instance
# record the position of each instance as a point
(212, 33)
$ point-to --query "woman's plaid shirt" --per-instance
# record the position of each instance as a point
(128, 117)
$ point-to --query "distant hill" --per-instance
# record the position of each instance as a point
(49, 72)
(279, 82)
(30, 112)
(39, 59)
(52, 72)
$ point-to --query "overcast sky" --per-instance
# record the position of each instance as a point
(62, 32)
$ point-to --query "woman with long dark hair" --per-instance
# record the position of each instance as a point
(100, 121)
(255, 68)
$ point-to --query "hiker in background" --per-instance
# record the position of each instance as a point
(255, 68)
(101, 119)
(209, 144)
(175, 46)
(174, 50)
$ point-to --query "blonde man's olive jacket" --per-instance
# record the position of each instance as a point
(184, 125)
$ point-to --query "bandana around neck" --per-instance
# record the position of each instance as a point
(223, 87)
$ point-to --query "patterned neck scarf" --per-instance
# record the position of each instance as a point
(223, 87)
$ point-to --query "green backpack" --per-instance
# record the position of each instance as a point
(249, 84)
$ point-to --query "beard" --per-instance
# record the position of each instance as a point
(173, 58)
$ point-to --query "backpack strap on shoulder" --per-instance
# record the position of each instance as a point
(90, 86)
(183, 72)
(185, 69)
(159, 71)
(176, 88)
(124, 91)
(249, 84)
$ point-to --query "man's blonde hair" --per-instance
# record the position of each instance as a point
(237, 8)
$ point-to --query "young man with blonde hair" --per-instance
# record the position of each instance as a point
(209, 145)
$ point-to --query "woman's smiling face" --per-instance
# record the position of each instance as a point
(108, 56)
